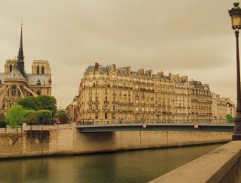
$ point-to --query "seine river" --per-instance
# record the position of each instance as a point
(122, 167)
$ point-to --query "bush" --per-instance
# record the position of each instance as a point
(3, 124)
(30, 118)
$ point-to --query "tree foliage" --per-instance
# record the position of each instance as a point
(230, 118)
(41, 102)
(44, 116)
(15, 115)
(3, 124)
(30, 118)
(27, 103)
(33, 117)
(44, 102)
(61, 115)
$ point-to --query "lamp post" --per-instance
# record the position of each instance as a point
(235, 14)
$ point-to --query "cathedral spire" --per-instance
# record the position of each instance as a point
(20, 54)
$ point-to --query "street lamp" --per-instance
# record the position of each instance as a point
(235, 14)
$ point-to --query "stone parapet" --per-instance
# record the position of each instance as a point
(221, 165)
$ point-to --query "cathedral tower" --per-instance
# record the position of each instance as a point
(21, 55)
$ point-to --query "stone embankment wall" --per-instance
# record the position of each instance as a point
(66, 139)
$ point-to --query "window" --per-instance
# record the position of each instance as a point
(38, 82)
(10, 68)
(106, 116)
(42, 69)
(13, 90)
(37, 69)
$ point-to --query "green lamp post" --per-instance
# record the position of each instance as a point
(235, 14)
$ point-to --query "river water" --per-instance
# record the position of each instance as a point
(122, 167)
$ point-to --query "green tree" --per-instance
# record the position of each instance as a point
(15, 115)
(230, 118)
(44, 116)
(61, 115)
(41, 102)
(44, 102)
(27, 102)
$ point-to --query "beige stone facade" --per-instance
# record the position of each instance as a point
(14, 86)
(111, 94)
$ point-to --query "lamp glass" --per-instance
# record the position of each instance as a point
(236, 20)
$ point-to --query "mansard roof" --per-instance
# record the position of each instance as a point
(127, 72)
(13, 75)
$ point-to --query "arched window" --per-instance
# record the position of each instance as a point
(10, 68)
(42, 69)
(106, 116)
(37, 69)
(13, 90)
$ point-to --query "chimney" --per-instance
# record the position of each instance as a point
(141, 71)
(149, 72)
(97, 65)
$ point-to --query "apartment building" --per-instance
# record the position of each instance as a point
(108, 93)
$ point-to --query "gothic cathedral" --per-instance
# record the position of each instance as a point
(16, 84)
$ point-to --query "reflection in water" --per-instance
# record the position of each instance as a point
(132, 166)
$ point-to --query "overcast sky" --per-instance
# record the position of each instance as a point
(188, 37)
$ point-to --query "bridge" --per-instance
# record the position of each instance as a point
(86, 127)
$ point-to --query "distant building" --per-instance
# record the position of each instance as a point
(230, 107)
(15, 83)
(72, 110)
(221, 107)
(107, 93)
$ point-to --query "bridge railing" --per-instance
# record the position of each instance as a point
(126, 122)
